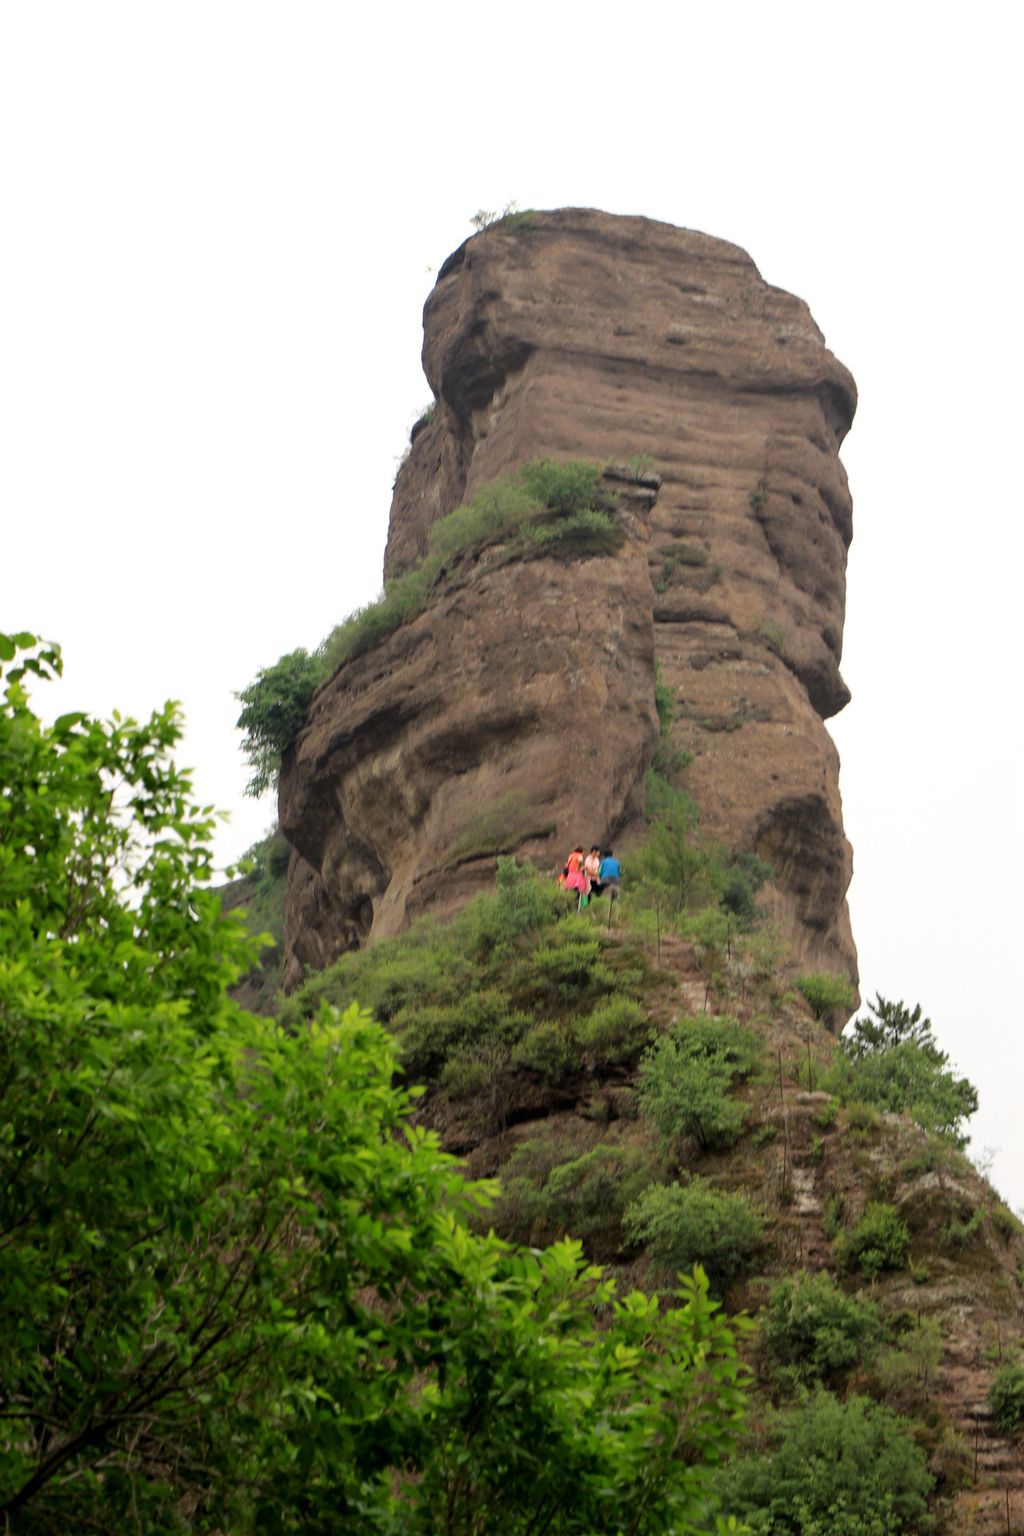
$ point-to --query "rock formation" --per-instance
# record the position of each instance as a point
(518, 711)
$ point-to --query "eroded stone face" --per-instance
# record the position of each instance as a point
(585, 335)
(517, 712)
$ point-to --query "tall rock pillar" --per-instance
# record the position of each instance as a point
(582, 335)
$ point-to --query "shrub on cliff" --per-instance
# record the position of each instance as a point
(676, 869)
(274, 708)
(549, 1187)
(826, 993)
(829, 1468)
(614, 1033)
(687, 1076)
(814, 1332)
(686, 1224)
(892, 1062)
(239, 1291)
(1006, 1398)
(878, 1240)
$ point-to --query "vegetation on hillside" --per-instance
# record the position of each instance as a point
(216, 1319)
(891, 1061)
(240, 1291)
(544, 509)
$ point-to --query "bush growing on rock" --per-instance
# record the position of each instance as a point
(614, 1033)
(686, 1224)
(815, 1331)
(550, 1048)
(1006, 1398)
(878, 1241)
(825, 993)
(550, 1188)
(274, 708)
(829, 1468)
(686, 1078)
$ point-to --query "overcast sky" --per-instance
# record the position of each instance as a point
(221, 222)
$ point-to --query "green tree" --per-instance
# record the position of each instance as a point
(274, 708)
(673, 866)
(1006, 1398)
(239, 1288)
(893, 1063)
(877, 1241)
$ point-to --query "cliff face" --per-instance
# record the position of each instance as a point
(500, 719)
(518, 711)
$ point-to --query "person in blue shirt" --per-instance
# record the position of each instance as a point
(610, 875)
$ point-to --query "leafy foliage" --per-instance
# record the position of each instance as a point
(239, 1288)
(903, 1371)
(878, 1241)
(825, 993)
(831, 1467)
(686, 1224)
(676, 869)
(1006, 1398)
(515, 981)
(815, 1332)
(893, 1063)
(673, 868)
(614, 1033)
(550, 1188)
(686, 1078)
(274, 708)
(546, 508)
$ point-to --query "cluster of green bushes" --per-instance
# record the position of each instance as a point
(692, 883)
(879, 1240)
(240, 1287)
(675, 1222)
(516, 979)
(813, 1333)
(828, 1458)
(826, 1466)
(545, 508)
(550, 1188)
(1006, 1398)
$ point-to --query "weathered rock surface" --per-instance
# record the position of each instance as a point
(505, 717)
(578, 334)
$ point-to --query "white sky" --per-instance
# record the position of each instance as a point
(220, 223)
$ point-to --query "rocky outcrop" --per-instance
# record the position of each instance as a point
(581, 335)
(517, 710)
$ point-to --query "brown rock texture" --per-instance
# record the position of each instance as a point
(504, 717)
(583, 335)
